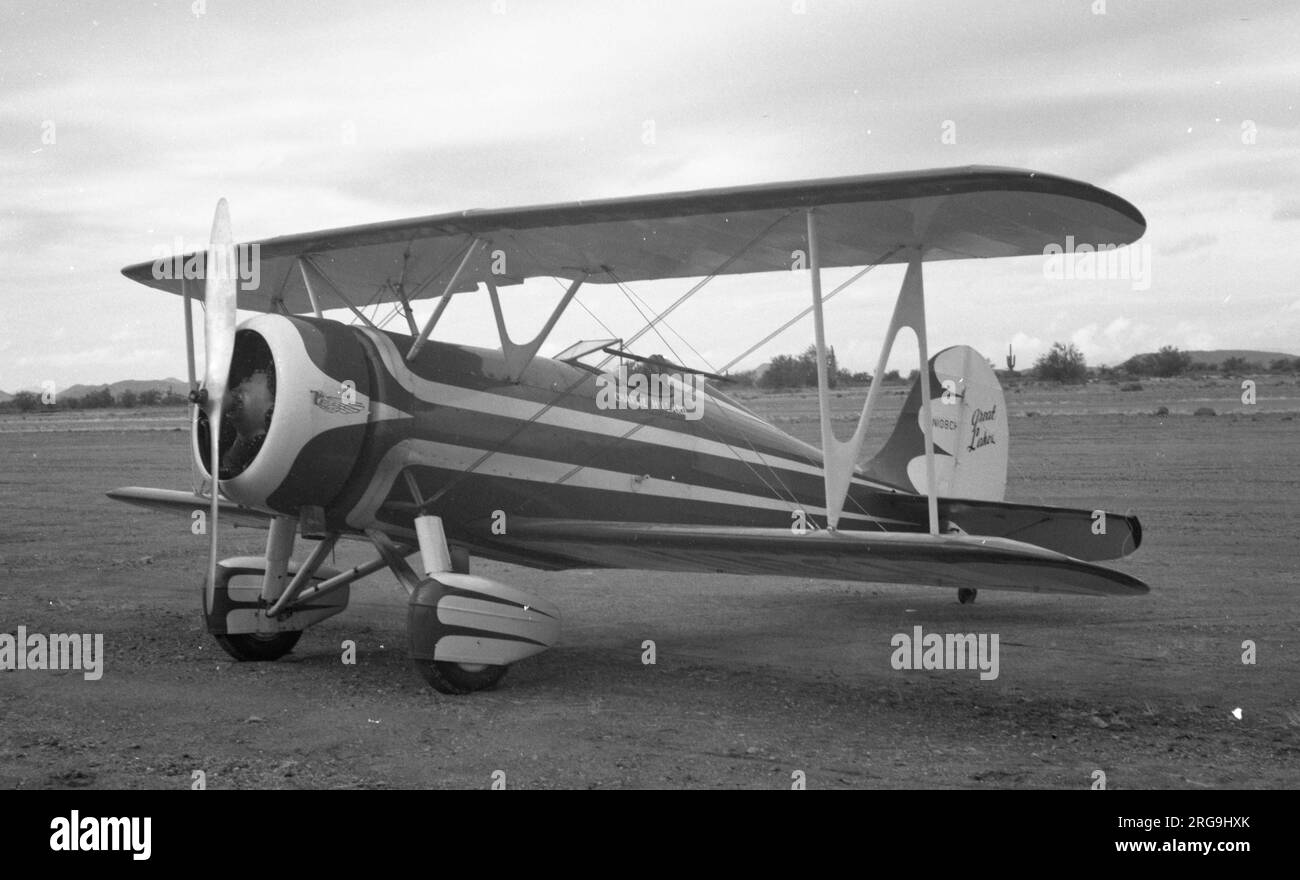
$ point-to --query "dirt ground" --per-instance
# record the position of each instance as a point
(755, 681)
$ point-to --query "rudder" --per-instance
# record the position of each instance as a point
(969, 418)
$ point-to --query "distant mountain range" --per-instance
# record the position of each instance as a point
(180, 386)
(1219, 355)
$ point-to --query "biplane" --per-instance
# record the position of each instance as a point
(322, 430)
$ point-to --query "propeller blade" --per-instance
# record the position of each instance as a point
(219, 340)
(197, 480)
(196, 477)
(188, 295)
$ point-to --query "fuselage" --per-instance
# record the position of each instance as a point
(450, 433)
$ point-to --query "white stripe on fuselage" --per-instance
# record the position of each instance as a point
(429, 453)
(563, 417)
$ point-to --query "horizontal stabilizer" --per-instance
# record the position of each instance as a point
(1090, 535)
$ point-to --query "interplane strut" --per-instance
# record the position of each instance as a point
(841, 458)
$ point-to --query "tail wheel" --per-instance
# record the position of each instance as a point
(966, 595)
(259, 646)
(459, 678)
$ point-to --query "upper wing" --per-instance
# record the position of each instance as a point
(953, 213)
(872, 557)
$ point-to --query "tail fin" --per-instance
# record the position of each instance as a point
(969, 417)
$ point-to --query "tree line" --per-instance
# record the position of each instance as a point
(1065, 363)
(100, 398)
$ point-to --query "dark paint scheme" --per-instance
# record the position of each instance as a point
(641, 479)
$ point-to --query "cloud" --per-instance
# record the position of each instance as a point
(1122, 338)
(315, 115)
(1193, 242)
(1287, 211)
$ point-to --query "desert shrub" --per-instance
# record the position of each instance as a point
(1234, 366)
(785, 371)
(101, 398)
(1166, 362)
(1064, 363)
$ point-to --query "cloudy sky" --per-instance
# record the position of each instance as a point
(122, 123)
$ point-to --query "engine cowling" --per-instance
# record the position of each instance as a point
(296, 417)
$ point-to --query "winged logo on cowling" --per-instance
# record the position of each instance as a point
(336, 404)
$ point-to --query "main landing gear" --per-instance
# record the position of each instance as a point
(465, 631)
(258, 646)
(966, 595)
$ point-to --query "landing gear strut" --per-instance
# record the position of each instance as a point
(235, 610)
(464, 631)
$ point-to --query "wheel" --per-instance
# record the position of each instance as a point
(966, 595)
(459, 678)
(259, 646)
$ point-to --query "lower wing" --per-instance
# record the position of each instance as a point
(880, 557)
(873, 557)
(186, 503)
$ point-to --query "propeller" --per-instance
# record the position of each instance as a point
(219, 295)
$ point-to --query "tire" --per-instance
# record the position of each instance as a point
(457, 678)
(259, 646)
